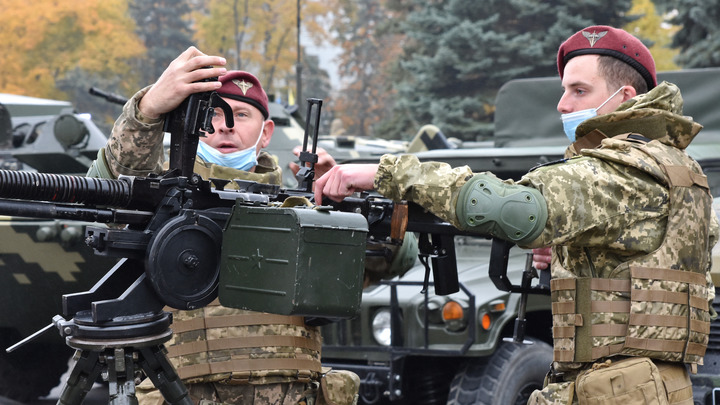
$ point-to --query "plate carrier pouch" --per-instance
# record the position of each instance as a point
(293, 261)
(667, 314)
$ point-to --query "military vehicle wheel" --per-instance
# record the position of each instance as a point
(509, 376)
(31, 371)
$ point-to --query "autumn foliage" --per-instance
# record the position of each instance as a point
(45, 39)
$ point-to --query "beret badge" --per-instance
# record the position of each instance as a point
(243, 85)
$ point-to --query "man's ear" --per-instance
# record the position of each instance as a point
(628, 92)
(267, 133)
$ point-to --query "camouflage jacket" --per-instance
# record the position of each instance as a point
(215, 343)
(596, 229)
(655, 115)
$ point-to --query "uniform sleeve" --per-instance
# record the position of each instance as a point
(594, 203)
(135, 146)
(433, 185)
(590, 203)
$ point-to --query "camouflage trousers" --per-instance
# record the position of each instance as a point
(336, 387)
(231, 394)
(630, 381)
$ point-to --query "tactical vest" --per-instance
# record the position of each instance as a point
(661, 309)
(215, 343)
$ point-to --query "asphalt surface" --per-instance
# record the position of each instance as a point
(98, 395)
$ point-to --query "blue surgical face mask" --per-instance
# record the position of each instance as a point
(244, 159)
(573, 119)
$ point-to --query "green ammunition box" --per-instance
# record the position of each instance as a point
(293, 261)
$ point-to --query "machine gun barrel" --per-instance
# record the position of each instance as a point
(64, 189)
(111, 97)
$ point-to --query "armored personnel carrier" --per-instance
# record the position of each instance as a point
(415, 348)
(41, 259)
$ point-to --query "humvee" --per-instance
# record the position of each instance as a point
(415, 348)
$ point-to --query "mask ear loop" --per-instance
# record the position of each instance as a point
(262, 128)
(610, 98)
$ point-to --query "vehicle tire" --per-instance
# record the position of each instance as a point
(31, 371)
(508, 377)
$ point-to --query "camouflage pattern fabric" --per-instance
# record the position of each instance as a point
(554, 394)
(135, 148)
(601, 213)
(222, 394)
(339, 387)
(241, 345)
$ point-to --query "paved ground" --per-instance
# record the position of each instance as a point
(96, 396)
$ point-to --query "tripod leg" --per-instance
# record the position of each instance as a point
(163, 375)
(85, 372)
(121, 377)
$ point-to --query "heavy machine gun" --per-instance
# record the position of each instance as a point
(186, 240)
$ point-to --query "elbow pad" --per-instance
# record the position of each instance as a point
(487, 205)
(100, 168)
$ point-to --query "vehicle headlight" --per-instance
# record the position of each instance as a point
(453, 314)
(381, 327)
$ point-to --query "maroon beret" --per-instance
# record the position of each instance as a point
(245, 87)
(605, 40)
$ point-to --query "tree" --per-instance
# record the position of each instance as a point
(258, 35)
(699, 38)
(369, 50)
(458, 55)
(650, 26)
(164, 28)
(44, 40)
(315, 84)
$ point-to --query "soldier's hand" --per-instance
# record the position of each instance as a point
(325, 162)
(542, 258)
(181, 79)
(343, 180)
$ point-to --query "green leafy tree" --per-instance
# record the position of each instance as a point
(370, 49)
(699, 38)
(458, 54)
(315, 84)
(164, 27)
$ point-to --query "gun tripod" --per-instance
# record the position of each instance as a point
(117, 338)
(117, 352)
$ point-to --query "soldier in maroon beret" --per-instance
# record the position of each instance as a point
(223, 355)
(621, 333)
(237, 147)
